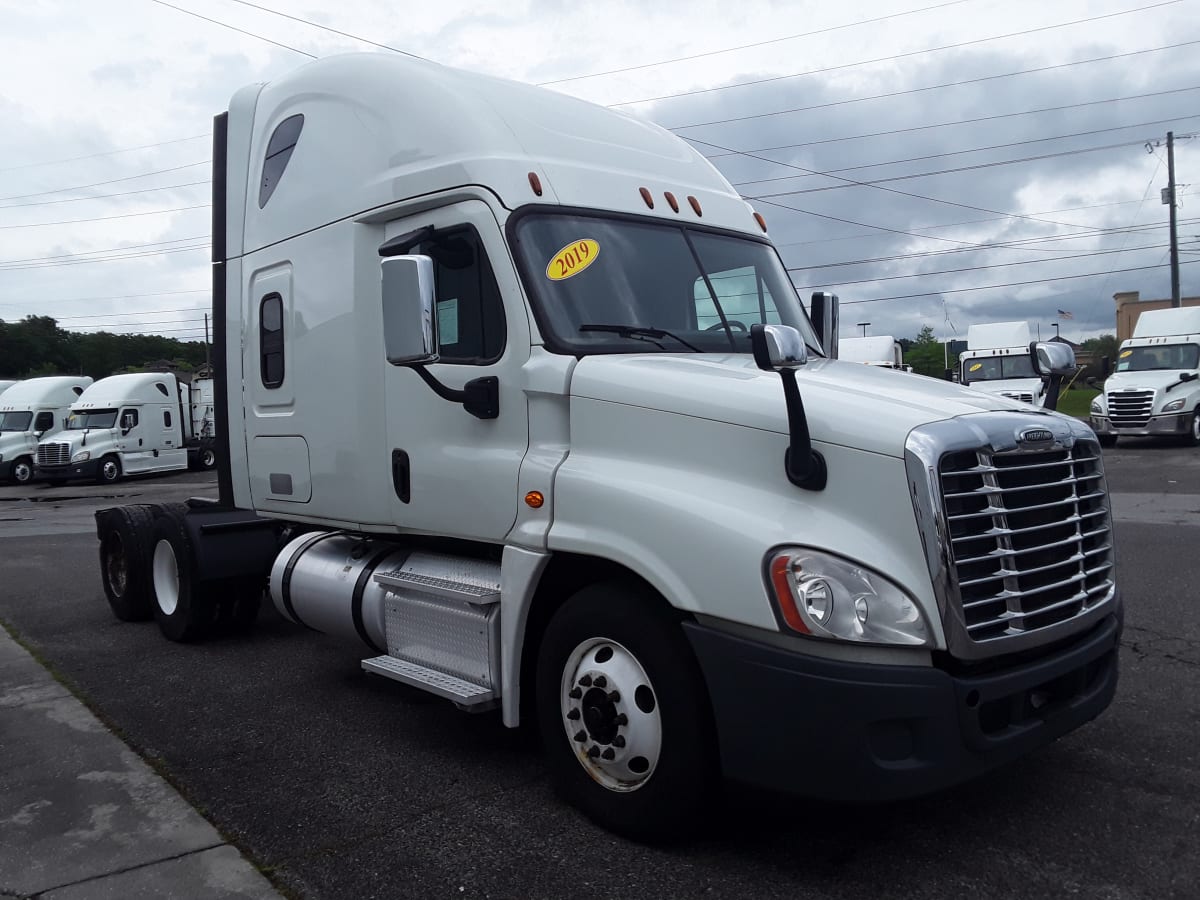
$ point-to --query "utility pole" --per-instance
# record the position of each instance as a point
(863, 326)
(1169, 198)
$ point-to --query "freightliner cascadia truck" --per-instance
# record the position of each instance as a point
(516, 397)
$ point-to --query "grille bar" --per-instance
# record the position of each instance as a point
(54, 453)
(1130, 409)
(998, 510)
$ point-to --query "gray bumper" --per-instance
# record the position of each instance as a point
(1172, 423)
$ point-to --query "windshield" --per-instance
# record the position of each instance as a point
(15, 421)
(92, 418)
(1160, 356)
(672, 288)
(997, 368)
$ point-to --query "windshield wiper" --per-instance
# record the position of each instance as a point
(636, 331)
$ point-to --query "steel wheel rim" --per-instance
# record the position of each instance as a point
(22, 472)
(115, 564)
(1196, 426)
(166, 578)
(108, 469)
(617, 740)
(207, 459)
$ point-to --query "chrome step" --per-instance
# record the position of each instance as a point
(464, 693)
(452, 578)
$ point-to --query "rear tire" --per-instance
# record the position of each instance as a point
(22, 471)
(636, 750)
(125, 555)
(185, 608)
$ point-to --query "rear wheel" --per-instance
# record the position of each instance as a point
(22, 471)
(185, 608)
(624, 714)
(125, 551)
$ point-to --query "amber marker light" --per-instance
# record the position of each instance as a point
(781, 581)
(671, 201)
(762, 223)
(535, 183)
(534, 499)
(695, 206)
(648, 197)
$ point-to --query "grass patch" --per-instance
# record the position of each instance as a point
(1077, 403)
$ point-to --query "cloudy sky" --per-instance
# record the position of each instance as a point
(932, 162)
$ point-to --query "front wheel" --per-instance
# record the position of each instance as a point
(22, 472)
(1193, 435)
(110, 470)
(208, 458)
(624, 714)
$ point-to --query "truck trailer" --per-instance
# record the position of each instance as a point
(515, 396)
(1155, 390)
(28, 411)
(131, 424)
(879, 350)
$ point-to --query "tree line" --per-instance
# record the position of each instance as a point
(36, 345)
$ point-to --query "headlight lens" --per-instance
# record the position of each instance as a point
(829, 597)
(82, 456)
(1097, 406)
(1174, 405)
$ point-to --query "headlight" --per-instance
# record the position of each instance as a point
(1174, 405)
(1097, 406)
(825, 596)
(82, 456)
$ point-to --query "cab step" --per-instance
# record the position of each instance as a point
(464, 693)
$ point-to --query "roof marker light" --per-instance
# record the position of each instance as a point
(695, 206)
(674, 204)
(535, 183)
(762, 223)
(647, 197)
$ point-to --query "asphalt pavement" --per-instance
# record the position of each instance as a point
(339, 785)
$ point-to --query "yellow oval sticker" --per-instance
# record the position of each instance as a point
(1125, 353)
(572, 259)
(976, 367)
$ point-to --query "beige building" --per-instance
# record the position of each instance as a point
(1130, 306)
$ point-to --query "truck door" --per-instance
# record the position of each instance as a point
(449, 472)
(128, 433)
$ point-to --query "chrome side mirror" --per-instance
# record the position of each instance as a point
(780, 348)
(777, 347)
(409, 311)
(1052, 358)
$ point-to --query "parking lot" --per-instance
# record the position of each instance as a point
(340, 785)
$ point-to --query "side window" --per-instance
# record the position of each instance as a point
(166, 418)
(129, 419)
(279, 152)
(471, 325)
(44, 421)
(743, 296)
(270, 340)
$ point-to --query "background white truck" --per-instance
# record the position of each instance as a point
(5, 385)
(128, 424)
(519, 400)
(29, 410)
(1155, 388)
(998, 360)
(883, 351)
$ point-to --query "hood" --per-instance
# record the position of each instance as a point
(1154, 380)
(74, 438)
(846, 403)
(1010, 385)
(10, 440)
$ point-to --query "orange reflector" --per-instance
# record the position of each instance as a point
(535, 183)
(762, 223)
(647, 197)
(672, 201)
(534, 500)
(695, 205)
(783, 594)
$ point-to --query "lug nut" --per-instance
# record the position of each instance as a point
(593, 752)
(608, 754)
(573, 715)
(586, 680)
(619, 741)
(575, 693)
(581, 736)
(621, 719)
(614, 696)
(601, 681)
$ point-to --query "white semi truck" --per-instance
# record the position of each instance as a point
(131, 424)
(29, 410)
(5, 384)
(883, 351)
(998, 360)
(1155, 389)
(514, 394)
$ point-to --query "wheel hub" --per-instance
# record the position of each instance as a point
(600, 716)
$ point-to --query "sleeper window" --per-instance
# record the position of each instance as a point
(270, 340)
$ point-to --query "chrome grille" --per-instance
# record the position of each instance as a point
(53, 454)
(1130, 409)
(1014, 395)
(1030, 536)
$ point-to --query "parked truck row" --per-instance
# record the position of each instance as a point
(515, 397)
(60, 428)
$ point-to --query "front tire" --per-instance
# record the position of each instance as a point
(22, 471)
(624, 714)
(110, 470)
(1193, 436)
(208, 458)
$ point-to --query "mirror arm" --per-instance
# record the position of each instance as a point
(1053, 385)
(805, 467)
(479, 396)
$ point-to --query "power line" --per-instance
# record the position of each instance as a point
(114, 258)
(152, 212)
(127, 247)
(934, 87)
(55, 162)
(790, 37)
(347, 34)
(138, 324)
(895, 56)
(166, 187)
(81, 187)
(233, 28)
(108, 297)
(986, 287)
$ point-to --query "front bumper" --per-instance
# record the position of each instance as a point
(87, 469)
(1169, 424)
(6, 469)
(853, 732)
